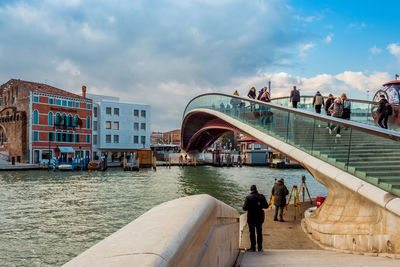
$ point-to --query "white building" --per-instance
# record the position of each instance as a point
(119, 127)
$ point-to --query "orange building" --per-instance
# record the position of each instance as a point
(38, 121)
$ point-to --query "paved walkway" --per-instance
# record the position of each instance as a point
(282, 235)
(285, 244)
(312, 258)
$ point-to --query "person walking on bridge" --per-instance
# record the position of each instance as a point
(294, 96)
(384, 111)
(318, 102)
(279, 191)
(252, 93)
(254, 205)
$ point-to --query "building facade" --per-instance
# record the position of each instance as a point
(38, 121)
(119, 127)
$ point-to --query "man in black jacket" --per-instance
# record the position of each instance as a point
(383, 112)
(279, 191)
(254, 205)
(294, 96)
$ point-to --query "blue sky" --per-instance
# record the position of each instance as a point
(165, 52)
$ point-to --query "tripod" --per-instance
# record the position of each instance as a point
(303, 188)
(296, 201)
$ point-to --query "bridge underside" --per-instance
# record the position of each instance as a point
(356, 216)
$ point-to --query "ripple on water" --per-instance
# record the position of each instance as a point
(47, 218)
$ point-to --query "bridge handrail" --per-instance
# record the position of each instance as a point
(389, 134)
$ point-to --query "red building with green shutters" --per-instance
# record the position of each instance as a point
(38, 121)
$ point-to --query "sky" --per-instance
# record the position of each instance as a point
(165, 52)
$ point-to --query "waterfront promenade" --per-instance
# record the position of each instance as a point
(286, 244)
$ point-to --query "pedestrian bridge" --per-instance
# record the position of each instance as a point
(360, 168)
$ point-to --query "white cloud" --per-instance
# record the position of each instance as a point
(304, 48)
(309, 19)
(357, 25)
(354, 84)
(66, 66)
(328, 38)
(394, 49)
(375, 50)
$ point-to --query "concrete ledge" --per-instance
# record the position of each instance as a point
(196, 230)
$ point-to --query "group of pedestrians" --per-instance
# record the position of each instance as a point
(262, 95)
(254, 205)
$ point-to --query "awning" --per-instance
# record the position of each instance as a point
(66, 149)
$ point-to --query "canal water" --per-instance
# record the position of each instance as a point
(47, 218)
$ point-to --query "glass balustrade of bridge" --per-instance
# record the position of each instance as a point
(361, 111)
(362, 150)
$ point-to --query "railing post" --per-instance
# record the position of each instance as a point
(287, 127)
(349, 150)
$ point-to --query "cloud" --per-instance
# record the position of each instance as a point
(309, 19)
(162, 54)
(357, 25)
(394, 49)
(354, 84)
(304, 48)
(328, 38)
(375, 50)
(67, 66)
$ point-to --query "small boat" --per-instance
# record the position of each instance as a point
(65, 167)
(95, 165)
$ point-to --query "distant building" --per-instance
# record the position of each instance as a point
(119, 127)
(172, 137)
(38, 121)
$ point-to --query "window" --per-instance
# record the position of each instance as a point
(51, 136)
(108, 110)
(88, 138)
(116, 139)
(50, 118)
(95, 112)
(95, 139)
(36, 99)
(64, 103)
(1, 102)
(51, 101)
(70, 121)
(77, 121)
(136, 126)
(136, 139)
(143, 140)
(76, 104)
(58, 137)
(76, 138)
(88, 106)
(116, 111)
(108, 124)
(143, 113)
(88, 122)
(35, 136)
(136, 113)
(70, 104)
(58, 102)
(35, 117)
(116, 125)
(108, 138)
(143, 126)
(94, 125)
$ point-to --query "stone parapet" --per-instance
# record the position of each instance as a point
(190, 231)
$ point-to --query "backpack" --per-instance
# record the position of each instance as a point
(389, 109)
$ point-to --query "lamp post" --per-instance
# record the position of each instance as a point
(48, 167)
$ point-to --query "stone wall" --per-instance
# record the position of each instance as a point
(191, 231)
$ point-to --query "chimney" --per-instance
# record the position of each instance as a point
(84, 91)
